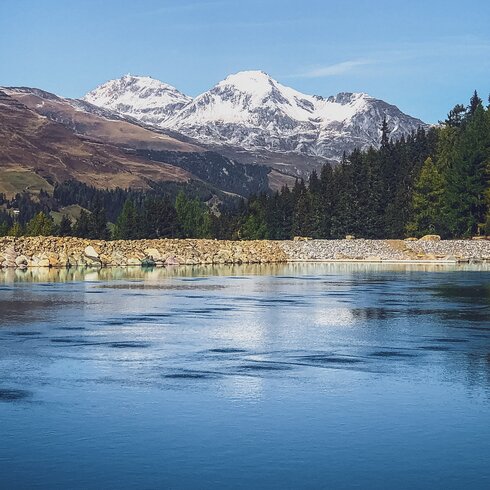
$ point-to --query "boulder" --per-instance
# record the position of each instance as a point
(21, 260)
(430, 238)
(172, 260)
(90, 252)
(153, 253)
(148, 262)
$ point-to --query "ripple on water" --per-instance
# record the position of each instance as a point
(449, 340)
(435, 348)
(191, 375)
(226, 350)
(391, 354)
(171, 287)
(265, 366)
(12, 395)
(129, 345)
(329, 359)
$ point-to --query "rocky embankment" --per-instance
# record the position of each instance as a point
(26, 252)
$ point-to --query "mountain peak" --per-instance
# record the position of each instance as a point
(252, 111)
(141, 97)
(254, 82)
(248, 76)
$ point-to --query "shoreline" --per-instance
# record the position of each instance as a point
(63, 252)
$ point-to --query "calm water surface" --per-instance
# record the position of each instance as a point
(300, 376)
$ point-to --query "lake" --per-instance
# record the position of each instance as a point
(286, 376)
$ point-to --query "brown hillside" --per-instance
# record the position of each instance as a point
(97, 124)
(37, 148)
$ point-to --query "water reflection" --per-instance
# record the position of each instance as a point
(257, 364)
(292, 271)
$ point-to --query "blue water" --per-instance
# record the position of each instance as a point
(300, 376)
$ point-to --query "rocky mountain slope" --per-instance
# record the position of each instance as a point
(143, 98)
(47, 139)
(251, 111)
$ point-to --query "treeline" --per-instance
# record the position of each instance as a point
(140, 217)
(433, 182)
(436, 181)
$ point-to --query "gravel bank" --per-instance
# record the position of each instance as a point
(26, 252)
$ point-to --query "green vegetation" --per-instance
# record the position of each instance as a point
(433, 182)
(14, 181)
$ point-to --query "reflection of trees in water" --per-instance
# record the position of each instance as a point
(478, 294)
(373, 313)
(451, 324)
(468, 316)
(355, 272)
(447, 314)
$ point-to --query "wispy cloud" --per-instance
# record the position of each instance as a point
(335, 69)
(405, 54)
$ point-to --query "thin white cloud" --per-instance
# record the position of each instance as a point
(453, 47)
(336, 69)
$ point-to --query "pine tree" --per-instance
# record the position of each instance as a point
(385, 134)
(40, 225)
(326, 200)
(98, 222)
(16, 230)
(65, 228)
(475, 102)
(82, 225)
(193, 217)
(455, 117)
(427, 201)
(467, 177)
(127, 226)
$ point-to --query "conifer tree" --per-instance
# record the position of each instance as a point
(82, 225)
(467, 177)
(40, 225)
(65, 228)
(16, 230)
(127, 226)
(427, 201)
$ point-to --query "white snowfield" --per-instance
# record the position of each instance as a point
(253, 111)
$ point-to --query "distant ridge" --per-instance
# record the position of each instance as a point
(252, 111)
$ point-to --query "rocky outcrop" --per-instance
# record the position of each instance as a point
(26, 252)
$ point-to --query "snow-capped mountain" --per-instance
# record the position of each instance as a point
(142, 98)
(252, 111)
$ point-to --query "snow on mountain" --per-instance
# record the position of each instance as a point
(143, 98)
(250, 110)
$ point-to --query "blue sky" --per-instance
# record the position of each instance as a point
(424, 56)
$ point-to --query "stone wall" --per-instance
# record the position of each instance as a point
(77, 252)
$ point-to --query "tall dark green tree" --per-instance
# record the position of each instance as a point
(427, 201)
(127, 225)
